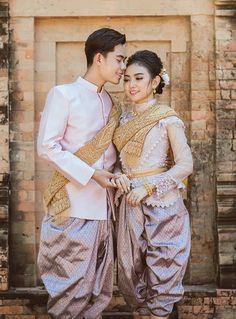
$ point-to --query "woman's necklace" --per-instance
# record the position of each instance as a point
(135, 112)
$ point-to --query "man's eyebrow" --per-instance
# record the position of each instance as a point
(121, 56)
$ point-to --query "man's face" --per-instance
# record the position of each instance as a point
(113, 65)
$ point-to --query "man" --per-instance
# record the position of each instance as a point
(76, 253)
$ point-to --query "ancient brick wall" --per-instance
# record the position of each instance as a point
(225, 24)
(22, 143)
(47, 49)
(202, 139)
(42, 46)
(4, 145)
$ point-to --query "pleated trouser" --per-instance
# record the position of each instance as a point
(76, 265)
(153, 246)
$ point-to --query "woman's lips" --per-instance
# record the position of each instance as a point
(133, 92)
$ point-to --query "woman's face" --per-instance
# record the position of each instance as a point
(138, 84)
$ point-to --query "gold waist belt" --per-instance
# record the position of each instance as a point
(146, 172)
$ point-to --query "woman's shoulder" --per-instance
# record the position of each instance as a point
(171, 120)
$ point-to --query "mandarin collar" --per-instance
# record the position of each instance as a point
(89, 85)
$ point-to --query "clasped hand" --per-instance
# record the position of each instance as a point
(135, 195)
(121, 181)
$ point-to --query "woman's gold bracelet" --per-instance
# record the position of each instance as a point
(149, 188)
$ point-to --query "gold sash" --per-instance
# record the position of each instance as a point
(146, 172)
(56, 195)
(129, 137)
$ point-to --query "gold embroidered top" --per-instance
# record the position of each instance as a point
(167, 135)
(130, 136)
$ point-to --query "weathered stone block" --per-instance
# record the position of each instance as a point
(225, 94)
(234, 144)
(233, 94)
(228, 84)
(223, 34)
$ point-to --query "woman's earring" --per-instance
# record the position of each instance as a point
(154, 91)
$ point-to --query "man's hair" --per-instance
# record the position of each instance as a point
(102, 41)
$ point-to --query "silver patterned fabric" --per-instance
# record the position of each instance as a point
(153, 246)
(76, 265)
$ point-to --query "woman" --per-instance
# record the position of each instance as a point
(153, 223)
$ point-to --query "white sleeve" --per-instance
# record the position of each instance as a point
(53, 125)
(183, 166)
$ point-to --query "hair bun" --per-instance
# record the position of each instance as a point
(160, 87)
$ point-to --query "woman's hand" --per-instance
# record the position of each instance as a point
(136, 195)
(122, 182)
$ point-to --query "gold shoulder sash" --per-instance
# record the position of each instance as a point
(129, 137)
(55, 195)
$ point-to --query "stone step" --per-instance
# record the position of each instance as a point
(128, 315)
(117, 315)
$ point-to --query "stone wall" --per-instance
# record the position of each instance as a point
(4, 145)
(47, 48)
(202, 139)
(22, 143)
(40, 47)
(225, 24)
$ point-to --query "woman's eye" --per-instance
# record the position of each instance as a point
(139, 79)
(126, 80)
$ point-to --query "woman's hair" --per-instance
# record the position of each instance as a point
(151, 61)
(102, 41)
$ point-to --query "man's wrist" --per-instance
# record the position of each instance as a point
(94, 176)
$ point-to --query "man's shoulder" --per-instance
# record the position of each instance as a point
(66, 89)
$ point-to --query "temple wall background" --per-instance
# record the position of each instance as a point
(42, 45)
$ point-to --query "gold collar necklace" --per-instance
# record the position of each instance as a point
(135, 112)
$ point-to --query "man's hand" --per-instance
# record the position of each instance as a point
(123, 183)
(136, 195)
(104, 178)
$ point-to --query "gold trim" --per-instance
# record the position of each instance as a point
(149, 188)
(147, 172)
(129, 138)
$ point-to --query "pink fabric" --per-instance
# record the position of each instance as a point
(153, 250)
(76, 265)
(74, 113)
